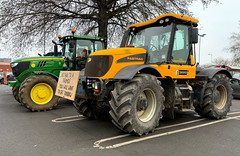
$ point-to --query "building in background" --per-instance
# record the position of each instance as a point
(8, 60)
(5, 65)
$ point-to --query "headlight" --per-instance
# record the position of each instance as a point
(14, 64)
(96, 85)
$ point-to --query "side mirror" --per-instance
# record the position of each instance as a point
(194, 35)
(55, 50)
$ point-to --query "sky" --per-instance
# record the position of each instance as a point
(218, 21)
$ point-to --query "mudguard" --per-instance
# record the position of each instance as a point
(210, 72)
(129, 72)
(44, 72)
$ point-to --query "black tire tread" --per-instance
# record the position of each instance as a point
(206, 109)
(26, 100)
(120, 104)
(15, 92)
(91, 110)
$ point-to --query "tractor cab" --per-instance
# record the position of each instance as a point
(76, 49)
(167, 40)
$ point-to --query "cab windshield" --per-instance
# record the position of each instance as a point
(155, 40)
(83, 48)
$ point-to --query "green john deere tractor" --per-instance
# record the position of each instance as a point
(36, 77)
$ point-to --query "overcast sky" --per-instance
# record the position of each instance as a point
(218, 22)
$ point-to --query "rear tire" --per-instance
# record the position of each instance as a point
(15, 92)
(92, 109)
(217, 98)
(37, 93)
(136, 105)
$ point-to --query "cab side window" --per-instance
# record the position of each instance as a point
(180, 53)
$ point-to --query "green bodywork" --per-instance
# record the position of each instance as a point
(49, 65)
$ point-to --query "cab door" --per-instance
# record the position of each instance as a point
(181, 54)
(179, 63)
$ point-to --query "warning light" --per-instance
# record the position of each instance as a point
(73, 30)
(59, 36)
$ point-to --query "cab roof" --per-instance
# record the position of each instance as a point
(176, 16)
(84, 37)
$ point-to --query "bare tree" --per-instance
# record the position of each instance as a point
(222, 61)
(235, 48)
(27, 19)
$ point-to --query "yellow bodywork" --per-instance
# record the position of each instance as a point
(182, 17)
(118, 54)
(166, 70)
(175, 71)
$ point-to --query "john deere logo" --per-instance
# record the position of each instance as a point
(33, 65)
(89, 59)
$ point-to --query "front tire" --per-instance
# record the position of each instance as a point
(136, 105)
(217, 98)
(15, 92)
(91, 109)
(37, 93)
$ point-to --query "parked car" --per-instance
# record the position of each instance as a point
(9, 75)
(235, 81)
(236, 88)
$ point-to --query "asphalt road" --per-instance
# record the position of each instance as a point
(62, 132)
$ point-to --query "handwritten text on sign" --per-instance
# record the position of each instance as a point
(67, 84)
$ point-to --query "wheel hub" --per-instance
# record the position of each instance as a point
(220, 96)
(142, 105)
(41, 93)
(217, 96)
(146, 105)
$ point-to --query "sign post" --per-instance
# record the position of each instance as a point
(67, 84)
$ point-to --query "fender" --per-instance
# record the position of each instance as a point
(48, 73)
(210, 72)
(129, 72)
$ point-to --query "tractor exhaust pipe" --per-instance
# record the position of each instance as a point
(55, 48)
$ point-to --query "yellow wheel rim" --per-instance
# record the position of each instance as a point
(41, 93)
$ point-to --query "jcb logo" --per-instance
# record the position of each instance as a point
(181, 72)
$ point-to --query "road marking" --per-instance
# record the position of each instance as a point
(233, 113)
(69, 119)
(97, 143)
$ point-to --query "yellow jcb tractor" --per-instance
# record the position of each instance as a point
(152, 73)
